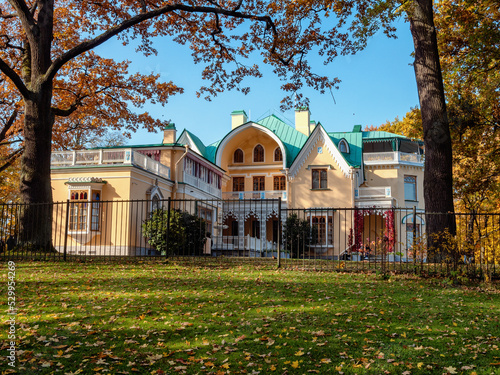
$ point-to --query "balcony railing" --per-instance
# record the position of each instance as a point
(379, 192)
(264, 194)
(125, 156)
(394, 157)
(202, 185)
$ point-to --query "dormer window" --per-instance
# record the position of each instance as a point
(238, 156)
(278, 156)
(343, 146)
(258, 154)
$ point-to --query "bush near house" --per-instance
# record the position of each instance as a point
(179, 233)
(297, 236)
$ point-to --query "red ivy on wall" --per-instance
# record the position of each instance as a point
(356, 236)
(390, 232)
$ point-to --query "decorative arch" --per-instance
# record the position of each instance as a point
(155, 196)
(409, 219)
(241, 128)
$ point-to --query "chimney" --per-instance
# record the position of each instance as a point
(303, 120)
(312, 125)
(238, 118)
(169, 135)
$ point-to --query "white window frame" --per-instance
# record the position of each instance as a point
(344, 143)
(406, 190)
(92, 205)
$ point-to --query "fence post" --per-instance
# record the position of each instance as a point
(168, 225)
(66, 230)
(414, 237)
(279, 233)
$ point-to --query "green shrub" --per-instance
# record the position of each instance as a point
(185, 235)
(297, 234)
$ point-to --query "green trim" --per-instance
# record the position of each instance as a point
(239, 112)
(109, 166)
(154, 145)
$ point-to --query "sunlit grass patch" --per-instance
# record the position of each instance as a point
(170, 318)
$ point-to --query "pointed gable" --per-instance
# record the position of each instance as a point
(319, 134)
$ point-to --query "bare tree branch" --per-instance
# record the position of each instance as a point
(100, 39)
(25, 15)
(14, 77)
(12, 158)
(8, 124)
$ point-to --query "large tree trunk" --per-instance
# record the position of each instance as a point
(438, 178)
(36, 191)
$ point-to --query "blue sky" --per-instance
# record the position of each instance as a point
(378, 84)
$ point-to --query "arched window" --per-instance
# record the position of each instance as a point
(278, 156)
(258, 154)
(238, 156)
(343, 146)
(155, 202)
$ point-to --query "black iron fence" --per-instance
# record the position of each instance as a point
(386, 239)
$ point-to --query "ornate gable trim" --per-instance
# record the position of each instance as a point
(319, 135)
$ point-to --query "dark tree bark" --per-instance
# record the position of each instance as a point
(36, 192)
(438, 179)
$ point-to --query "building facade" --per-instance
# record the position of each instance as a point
(345, 185)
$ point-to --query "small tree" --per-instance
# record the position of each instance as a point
(185, 235)
(297, 234)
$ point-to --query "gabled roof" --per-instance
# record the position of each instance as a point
(354, 139)
(317, 134)
(293, 141)
(197, 143)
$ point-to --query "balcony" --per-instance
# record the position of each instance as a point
(200, 184)
(380, 192)
(101, 157)
(394, 157)
(264, 194)
(380, 196)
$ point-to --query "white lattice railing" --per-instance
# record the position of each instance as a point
(373, 192)
(125, 156)
(391, 158)
(202, 185)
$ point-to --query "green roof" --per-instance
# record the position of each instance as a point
(355, 141)
(199, 144)
(356, 138)
(292, 139)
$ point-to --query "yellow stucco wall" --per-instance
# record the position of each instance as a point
(339, 192)
(119, 222)
(246, 141)
(394, 177)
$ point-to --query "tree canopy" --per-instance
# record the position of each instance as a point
(54, 81)
(469, 46)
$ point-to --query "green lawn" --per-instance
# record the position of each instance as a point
(155, 318)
